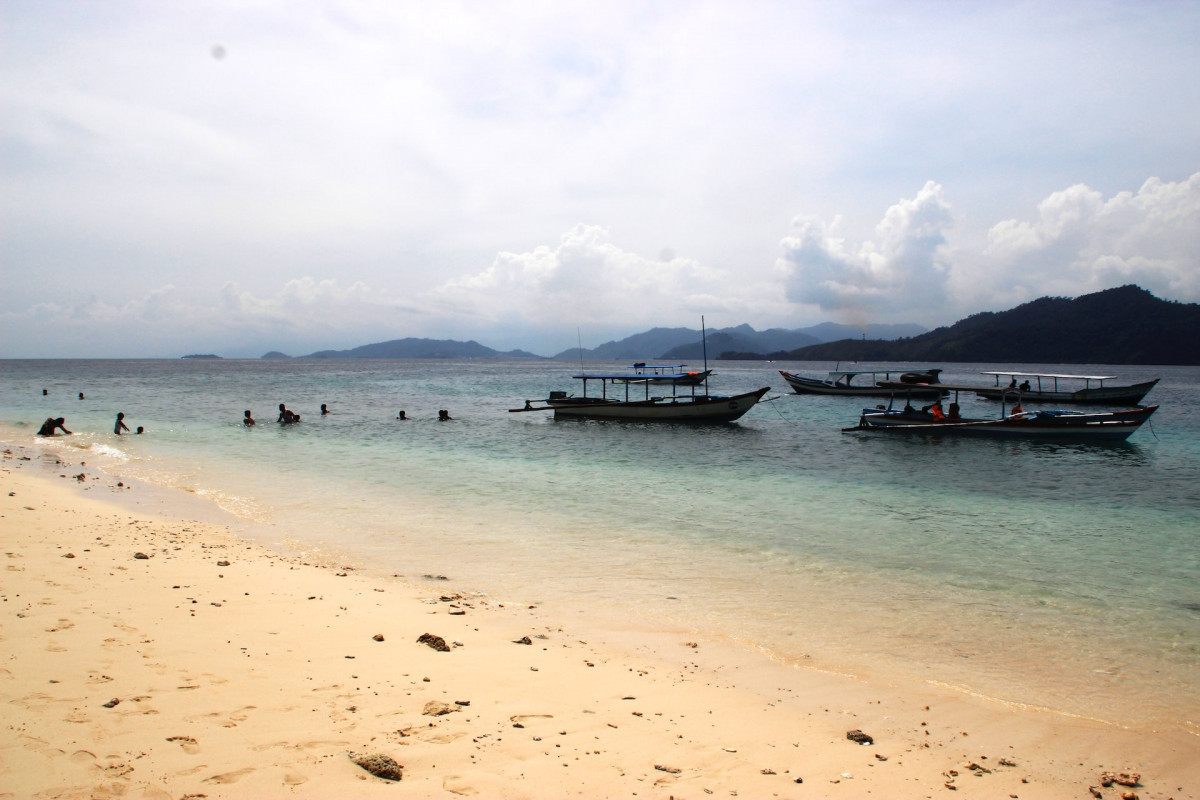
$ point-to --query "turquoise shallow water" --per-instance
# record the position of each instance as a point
(1064, 576)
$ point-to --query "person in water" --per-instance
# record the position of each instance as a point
(286, 416)
(140, 430)
(248, 420)
(444, 415)
(402, 415)
(324, 409)
(49, 426)
(120, 426)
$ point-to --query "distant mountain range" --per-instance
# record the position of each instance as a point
(1126, 325)
(414, 348)
(663, 344)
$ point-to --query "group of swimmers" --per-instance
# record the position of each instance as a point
(289, 417)
(59, 423)
(53, 424)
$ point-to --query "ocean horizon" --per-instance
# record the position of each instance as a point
(1058, 576)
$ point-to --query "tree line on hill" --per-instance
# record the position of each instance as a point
(1126, 325)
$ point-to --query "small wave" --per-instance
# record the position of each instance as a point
(106, 450)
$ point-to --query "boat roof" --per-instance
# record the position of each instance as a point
(1048, 375)
(657, 366)
(878, 371)
(623, 376)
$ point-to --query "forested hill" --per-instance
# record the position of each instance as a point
(1126, 325)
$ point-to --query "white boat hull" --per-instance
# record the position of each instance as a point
(699, 409)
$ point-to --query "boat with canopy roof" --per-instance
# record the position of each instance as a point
(1044, 387)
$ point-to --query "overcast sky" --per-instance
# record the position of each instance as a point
(243, 176)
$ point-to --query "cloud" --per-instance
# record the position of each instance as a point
(1080, 242)
(587, 279)
(914, 269)
(903, 269)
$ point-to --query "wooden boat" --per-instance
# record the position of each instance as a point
(1056, 425)
(620, 398)
(699, 408)
(1041, 387)
(918, 383)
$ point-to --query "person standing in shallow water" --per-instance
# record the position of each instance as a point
(120, 426)
(248, 420)
(324, 410)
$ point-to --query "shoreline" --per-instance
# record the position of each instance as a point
(241, 672)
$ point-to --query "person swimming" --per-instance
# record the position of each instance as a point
(247, 419)
(444, 415)
(120, 425)
(402, 415)
(324, 409)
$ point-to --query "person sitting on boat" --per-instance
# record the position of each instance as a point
(1025, 386)
(937, 412)
(1013, 383)
(908, 409)
(1017, 410)
(954, 411)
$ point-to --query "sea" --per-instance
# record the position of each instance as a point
(1055, 576)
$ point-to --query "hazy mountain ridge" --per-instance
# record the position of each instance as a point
(1125, 325)
(678, 343)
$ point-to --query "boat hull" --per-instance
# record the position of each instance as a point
(803, 385)
(698, 410)
(1058, 425)
(1099, 395)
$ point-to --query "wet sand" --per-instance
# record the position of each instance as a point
(151, 657)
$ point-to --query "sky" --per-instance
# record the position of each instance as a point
(238, 176)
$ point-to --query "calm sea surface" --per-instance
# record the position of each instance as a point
(1055, 575)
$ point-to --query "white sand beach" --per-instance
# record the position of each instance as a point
(155, 657)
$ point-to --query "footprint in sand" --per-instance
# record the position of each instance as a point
(456, 785)
(229, 777)
(294, 779)
(63, 624)
(229, 720)
(189, 745)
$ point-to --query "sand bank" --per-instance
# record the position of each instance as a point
(146, 657)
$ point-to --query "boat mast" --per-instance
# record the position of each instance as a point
(704, 349)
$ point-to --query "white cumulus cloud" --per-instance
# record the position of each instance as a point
(904, 268)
